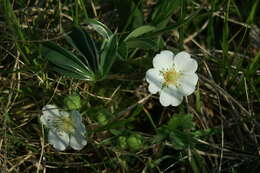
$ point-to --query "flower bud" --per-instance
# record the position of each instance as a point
(122, 142)
(102, 119)
(135, 142)
(72, 102)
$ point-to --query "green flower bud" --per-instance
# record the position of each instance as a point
(102, 119)
(122, 142)
(72, 102)
(135, 142)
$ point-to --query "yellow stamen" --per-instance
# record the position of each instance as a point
(66, 125)
(171, 77)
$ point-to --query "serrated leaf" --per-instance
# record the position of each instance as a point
(206, 132)
(162, 134)
(181, 122)
(140, 31)
(181, 140)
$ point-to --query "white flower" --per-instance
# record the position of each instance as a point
(65, 128)
(172, 76)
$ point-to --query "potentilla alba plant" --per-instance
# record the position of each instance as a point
(65, 128)
(172, 76)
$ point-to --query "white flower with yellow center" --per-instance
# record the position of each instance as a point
(65, 128)
(172, 76)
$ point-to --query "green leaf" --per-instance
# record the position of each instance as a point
(82, 41)
(130, 14)
(100, 28)
(122, 52)
(141, 43)
(254, 66)
(163, 12)
(181, 122)
(162, 134)
(71, 74)
(140, 31)
(156, 162)
(138, 15)
(177, 141)
(206, 133)
(253, 12)
(181, 140)
(108, 55)
(66, 61)
(198, 163)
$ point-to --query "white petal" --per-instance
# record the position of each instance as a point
(52, 108)
(187, 83)
(170, 96)
(77, 121)
(77, 141)
(76, 117)
(163, 60)
(59, 140)
(50, 112)
(184, 63)
(64, 114)
(155, 80)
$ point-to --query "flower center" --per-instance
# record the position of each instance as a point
(66, 125)
(171, 77)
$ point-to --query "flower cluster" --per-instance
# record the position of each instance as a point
(172, 76)
(65, 128)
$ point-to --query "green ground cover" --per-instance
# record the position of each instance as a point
(49, 51)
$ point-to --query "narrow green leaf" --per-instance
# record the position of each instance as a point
(140, 31)
(163, 12)
(254, 66)
(65, 60)
(198, 163)
(72, 74)
(52, 46)
(108, 55)
(130, 14)
(141, 43)
(122, 51)
(253, 12)
(82, 41)
(100, 28)
(161, 159)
